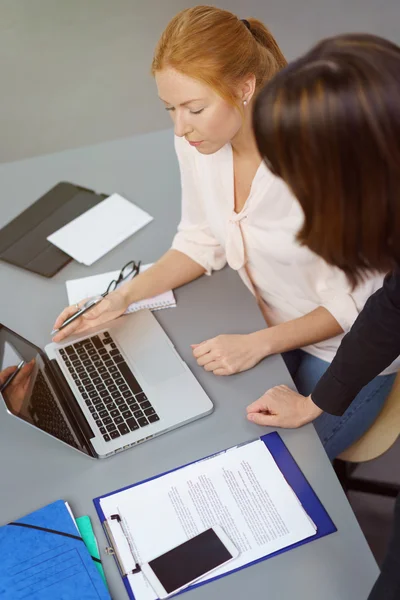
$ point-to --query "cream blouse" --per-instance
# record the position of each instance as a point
(290, 278)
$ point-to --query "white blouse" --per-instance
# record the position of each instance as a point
(290, 278)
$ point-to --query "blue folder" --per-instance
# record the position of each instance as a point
(295, 479)
(43, 557)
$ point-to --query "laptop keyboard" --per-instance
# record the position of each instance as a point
(115, 399)
(45, 411)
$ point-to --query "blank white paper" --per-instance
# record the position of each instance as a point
(100, 229)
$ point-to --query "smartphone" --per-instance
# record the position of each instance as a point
(188, 562)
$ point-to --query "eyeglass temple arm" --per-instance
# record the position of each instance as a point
(135, 270)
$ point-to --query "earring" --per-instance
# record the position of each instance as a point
(245, 102)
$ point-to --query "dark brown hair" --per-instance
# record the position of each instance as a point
(329, 126)
(215, 47)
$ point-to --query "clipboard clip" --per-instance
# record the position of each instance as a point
(112, 549)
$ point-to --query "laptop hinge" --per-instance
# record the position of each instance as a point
(70, 405)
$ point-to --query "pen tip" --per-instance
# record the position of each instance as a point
(54, 332)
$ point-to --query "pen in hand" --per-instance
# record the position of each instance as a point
(11, 377)
(81, 311)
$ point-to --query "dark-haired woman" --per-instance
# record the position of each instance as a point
(329, 126)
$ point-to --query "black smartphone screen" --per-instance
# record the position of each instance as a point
(190, 560)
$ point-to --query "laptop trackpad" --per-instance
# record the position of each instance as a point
(158, 363)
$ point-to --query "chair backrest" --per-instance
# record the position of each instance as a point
(383, 432)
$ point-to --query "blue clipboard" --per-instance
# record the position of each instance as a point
(293, 476)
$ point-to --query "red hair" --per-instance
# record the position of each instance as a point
(215, 47)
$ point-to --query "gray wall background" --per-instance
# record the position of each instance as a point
(76, 72)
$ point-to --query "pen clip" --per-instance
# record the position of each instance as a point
(112, 549)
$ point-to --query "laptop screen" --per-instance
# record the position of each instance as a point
(30, 394)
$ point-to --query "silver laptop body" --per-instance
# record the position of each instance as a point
(114, 386)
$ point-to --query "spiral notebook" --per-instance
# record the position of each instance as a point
(78, 289)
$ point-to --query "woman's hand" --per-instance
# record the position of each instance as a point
(4, 375)
(282, 407)
(16, 391)
(229, 354)
(111, 307)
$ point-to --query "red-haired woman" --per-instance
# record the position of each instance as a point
(209, 67)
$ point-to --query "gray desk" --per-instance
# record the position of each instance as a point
(35, 470)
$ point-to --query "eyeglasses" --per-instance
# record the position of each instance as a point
(130, 270)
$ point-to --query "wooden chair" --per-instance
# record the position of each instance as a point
(376, 441)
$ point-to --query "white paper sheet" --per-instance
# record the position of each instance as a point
(78, 289)
(100, 229)
(242, 490)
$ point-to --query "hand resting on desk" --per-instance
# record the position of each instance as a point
(279, 406)
(282, 407)
(229, 354)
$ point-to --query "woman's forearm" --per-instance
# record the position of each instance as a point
(172, 270)
(316, 326)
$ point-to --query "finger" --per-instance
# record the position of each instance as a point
(263, 419)
(24, 373)
(74, 327)
(84, 322)
(261, 405)
(202, 348)
(221, 371)
(28, 368)
(194, 345)
(64, 315)
(71, 310)
(212, 366)
(4, 375)
(204, 360)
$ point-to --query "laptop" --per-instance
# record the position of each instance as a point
(106, 389)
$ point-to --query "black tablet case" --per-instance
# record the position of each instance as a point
(23, 241)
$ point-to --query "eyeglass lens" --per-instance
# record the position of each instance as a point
(125, 272)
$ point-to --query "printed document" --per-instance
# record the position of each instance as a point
(242, 490)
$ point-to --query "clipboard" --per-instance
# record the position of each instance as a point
(23, 241)
(294, 478)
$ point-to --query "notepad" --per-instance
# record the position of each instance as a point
(78, 289)
(100, 229)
